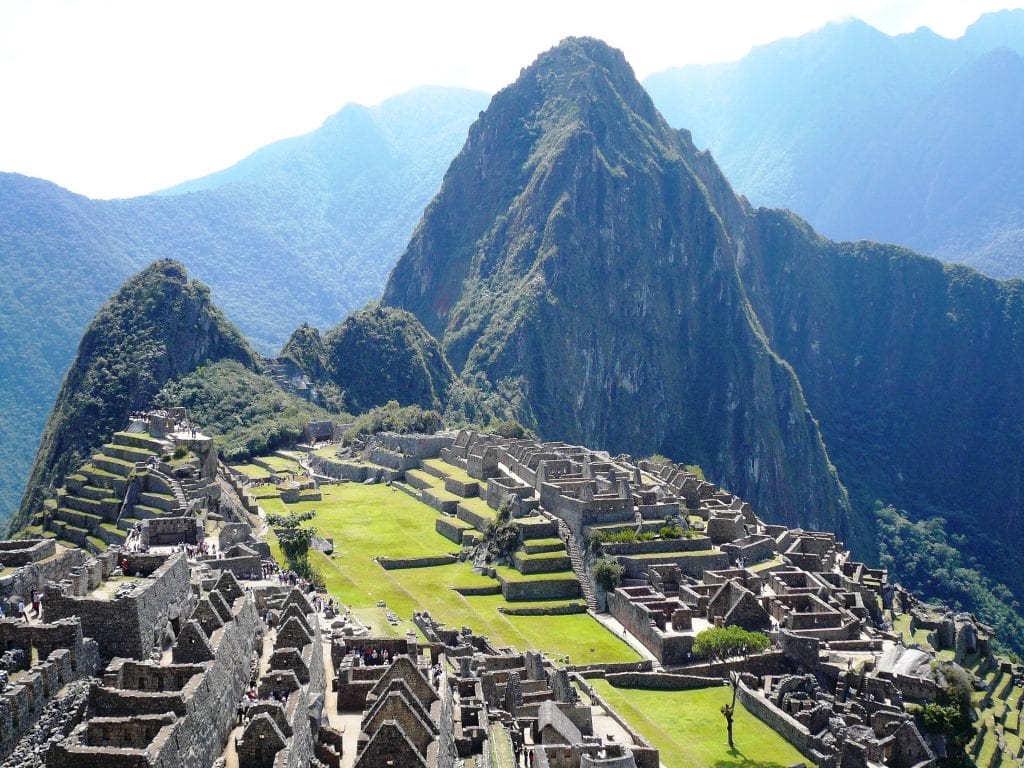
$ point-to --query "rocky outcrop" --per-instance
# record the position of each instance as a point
(380, 354)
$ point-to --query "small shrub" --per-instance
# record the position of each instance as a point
(671, 532)
(608, 573)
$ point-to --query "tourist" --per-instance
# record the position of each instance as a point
(35, 604)
(21, 610)
(3, 611)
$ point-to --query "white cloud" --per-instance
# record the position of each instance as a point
(121, 97)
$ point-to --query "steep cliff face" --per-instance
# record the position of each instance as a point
(159, 326)
(576, 252)
(915, 369)
(381, 354)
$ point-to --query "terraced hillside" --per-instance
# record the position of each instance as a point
(128, 481)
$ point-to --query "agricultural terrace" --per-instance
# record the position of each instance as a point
(689, 730)
(369, 521)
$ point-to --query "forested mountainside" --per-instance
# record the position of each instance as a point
(911, 139)
(303, 230)
(160, 325)
(575, 253)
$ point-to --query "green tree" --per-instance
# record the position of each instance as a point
(608, 573)
(721, 643)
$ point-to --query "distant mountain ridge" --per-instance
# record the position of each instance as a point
(303, 230)
(911, 139)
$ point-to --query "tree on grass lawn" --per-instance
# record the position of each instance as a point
(721, 643)
(728, 710)
(295, 540)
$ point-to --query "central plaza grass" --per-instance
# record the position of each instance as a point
(368, 521)
(688, 728)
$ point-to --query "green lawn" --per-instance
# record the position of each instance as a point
(689, 730)
(279, 464)
(251, 471)
(373, 520)
(450, 470)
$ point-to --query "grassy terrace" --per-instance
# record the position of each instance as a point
(775, 561)
(251, 471)
(367, 521)
(543, 555)
(656, 555)
(328, 451)
(512, 575)
(281, 464)
(688, 728)
(450, 470)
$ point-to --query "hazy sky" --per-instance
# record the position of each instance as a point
(112, 98)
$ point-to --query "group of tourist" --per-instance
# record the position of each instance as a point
(371, 658)
(251, 696)
(21, 610)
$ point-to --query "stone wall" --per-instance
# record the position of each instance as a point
(394, 563)
(540, 589)
(787, 727)
(691, 564)
(167, 531)
(15, 553)
(671, 650)
(233, 533)
(695, 544)
(128, 626)
(64, 656)
(418, 447)
(34, 576)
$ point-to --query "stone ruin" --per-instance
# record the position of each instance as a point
(444, 701)
(723, 566)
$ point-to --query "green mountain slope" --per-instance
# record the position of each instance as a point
(160, 325)
(380, 354)
(304, 230)
(915, 370)
(910, 139)
(576, 253)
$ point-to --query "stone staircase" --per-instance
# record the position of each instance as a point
(180, 506)
(577, 564)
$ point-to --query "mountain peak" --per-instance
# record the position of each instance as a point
(157, 327)
(578, 243)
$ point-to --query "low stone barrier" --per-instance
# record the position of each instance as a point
(395, 564)
(489, 589)
(557, 610)
(787, 727)
(661, 681)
